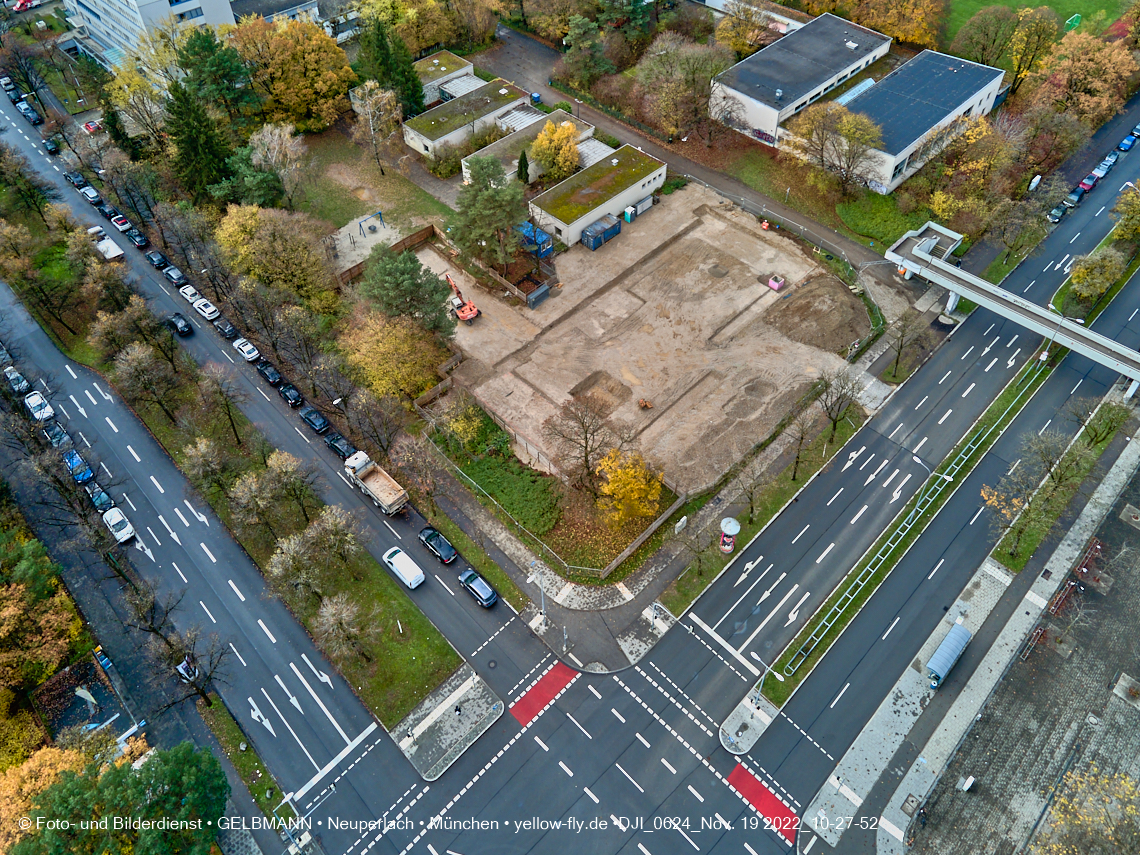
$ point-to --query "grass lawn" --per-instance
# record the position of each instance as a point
(878, 217)
(249, 766)
(347, 185)
(1000, 268)
(962, 10)
(692, 583)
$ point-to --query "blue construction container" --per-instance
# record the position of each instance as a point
(535, 240)
(597, 233)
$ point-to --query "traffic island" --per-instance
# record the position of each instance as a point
(447, 722)
(747, 723)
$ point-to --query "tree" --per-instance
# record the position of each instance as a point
(1036, 32)
(1085, 76)
(556, 148)
(629, 17)
(584, 61)
(385, 59)
(700, 549)
(1016, 225)
(582, 435)
(28, 191)
(200, 151)
(293, 563)
(837, 391)
(378, 117)
(1096, 812)
(401, 286)
(140, 98)
(523, 170)
(404, 79)
(858, 140)
(340, 628)
(216, 74)
(252, 504)
(301, 74)
(906, 332)
(1099, 419)
(915, 22)
(22, 784)
(985, 38)
(394, 356)
(247, 184)
(143, 378)
(744, 29)
(276, 148)
(336, 534)
(679, 73)
(221, 393)
(204, 462)
(378, 420)
(629, 489)
(184, 786)
(35, 635)
(287, 476)
(1092, 275)
(831, 137)
(487, 211)
(416, 459)
(1126, 211)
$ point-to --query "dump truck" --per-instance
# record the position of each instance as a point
(375, 483)
(947, 654)
(106, 247)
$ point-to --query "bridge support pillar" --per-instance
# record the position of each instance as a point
(952, 303)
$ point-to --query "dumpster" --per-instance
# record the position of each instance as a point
(598, 233)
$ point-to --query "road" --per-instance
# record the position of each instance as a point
(639, 744)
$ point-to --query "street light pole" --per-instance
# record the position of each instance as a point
(767, 671)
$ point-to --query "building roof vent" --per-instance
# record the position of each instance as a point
(779, 94)
(502, 91)
(614, 161)
(435, 62)
(852, 45)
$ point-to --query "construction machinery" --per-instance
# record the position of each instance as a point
(463, 310)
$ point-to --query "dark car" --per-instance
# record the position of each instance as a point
(136, 237)
(179, 324)
(312, 417)
(107, 210)
(1074, 198)
(75, 179)
(290, 395)
(1089, 181)
(29, 113)
(51, 145)
(227, 330)
(477, 587)
(78, 467)
(340, 446)
(1055, 215)
(56, 435)
(16, 381)
(156, 259)
(438, 545)
(14, 95)
(5, 356)
(272, 375)
(99, 497)
(175, 276)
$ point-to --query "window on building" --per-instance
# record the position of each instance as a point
(189, 14)
(900, 167)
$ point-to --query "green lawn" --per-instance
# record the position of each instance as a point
(261, 784)
(879, 218)
(962, 10)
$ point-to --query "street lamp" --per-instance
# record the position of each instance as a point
(929, 471)
(767, 671)
(1061, 318)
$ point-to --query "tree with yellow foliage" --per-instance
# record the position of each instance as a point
(915, 22)
(1096, 812)
(1085, 76)
(20, 785)
(556, 148)
(744, 28)
(629, 489)
(1094, 274)
(394, 356)
(1036, 32)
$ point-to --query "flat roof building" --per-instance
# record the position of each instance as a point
(510, 148)
(460, 118)
(439, 68)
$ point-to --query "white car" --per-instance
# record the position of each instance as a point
(187, 671)
(190, 294)
(206, 309)
(120, 526)
(246, 349)
(38, 407)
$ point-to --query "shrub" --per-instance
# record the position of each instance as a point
(565, 106)
(528, 496)
(608, 139)
(673, 182)
(449, 158)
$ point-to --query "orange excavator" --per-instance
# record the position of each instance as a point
(463, 310)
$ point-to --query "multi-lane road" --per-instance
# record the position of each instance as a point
(637, 751)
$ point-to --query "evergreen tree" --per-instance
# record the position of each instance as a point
(402, 287)
(248, 185)
(584, 60)
(215, 73)
(488, 209)
(385, 58)
(200, 152)
(405, 80)
(524, 168)
(117, 131)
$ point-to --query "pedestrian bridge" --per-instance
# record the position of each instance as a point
(923, 252)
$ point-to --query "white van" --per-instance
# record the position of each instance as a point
(406, 570)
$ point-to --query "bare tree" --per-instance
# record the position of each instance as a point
(204, 462)
(251, 504)
(837, 391)
(377, 420)
(143, 378)
(698, 546)
(582, 435)
(340, 628)
(378, 115)
(294, 564)
(287, 476)
(908, 331)
(1098, 424)
(416, 461)
(279, 149)
(261, 308)
(336, 534)
(221, 393)
(799, 433)
(753, 494)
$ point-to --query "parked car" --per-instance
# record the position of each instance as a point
(14, 95)
(38, 407)
(1127, 143)
(311, 416)
(16, 381)
(248, 352)
(174, 275)
(227, 330)
(1074, 198)
(51, 145)
(29, 113)
(190, 294)
(477, 586)
(91, 195)
(1104, 167)
(437, 544)
(1089, 182)
(272, 375)
(179, 325)
(290, 395)
(206, 309)
(75, 179)
(78, 467)
(1112, 156)
(92, 127)
(107, 210)
(1055, 215)
(157, 260)
(5, 356)
(99, 497)
(120, 527)
(137, 238)
(122, 223)
(187, 671)
(55, 434)
(340, 446)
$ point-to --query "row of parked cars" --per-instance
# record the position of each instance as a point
(109, 212)
(17, 98)
(1091, 180)
(41, 412)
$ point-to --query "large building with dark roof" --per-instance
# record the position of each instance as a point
(779, 81)
(918, 98)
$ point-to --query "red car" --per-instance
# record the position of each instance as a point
(1090, 181)
(92, 127)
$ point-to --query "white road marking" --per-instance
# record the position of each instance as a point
(324, 709)
(169, 530)
(1044, 426)
(209, 554)
(698, 796)
(265, 629)
(266, 397)
(541, 744)
(967, 353)
(978, 514)
(1027, 287)
(1134, 311)
(921, 443)
(620, 769)
(127, 499)
(644, 851)
(1016, 463)
(1101, 211)
(91, 397)
(824, 554)
(69, 371)
(732, 650)
(594, 692)
(155, 536)
(681, 831)
(238, 655)
(890, 436)
(969, 389)
(617, 715)
(941, 561)
(920, 403)
(1077, 235)
(667, 765)
(807, 848)
(226, 355)
(111, 423)
(103, 466)
(841, 691)
(297, 738)
(177, 511)
(393, 530)
(642, 740)
(155, 482)
(445, 587)
(301, 434)
(836, 496)
(869, 459)
(180, 573)
(944, 376)
(801, 534)
(1079, 382)
(586, 790)
(207, 611)
(236, 591)
(579, 726)
(1012, 340)
(565, 768)
(889, 628)
(945, 417)
(855, 518)
(991, 365)
(890, 478)
(134, 455)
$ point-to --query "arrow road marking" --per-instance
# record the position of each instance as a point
(324, 709)
(142, 547)
(851, 457)
(871, 477)
(771, 615)
(745, 594)
(256, 715)
(795, 612)
(169, 530)
(768, 593)
(321, 675)
(1013, 358)
(201, 517)
(898, 490)
(991, 345)
(748, 569)
(292, 698)
(99, 389)
(82, 411)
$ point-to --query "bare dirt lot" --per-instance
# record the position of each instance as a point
(677, 312)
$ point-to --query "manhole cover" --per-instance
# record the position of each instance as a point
(492, 664)
(717, 271)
